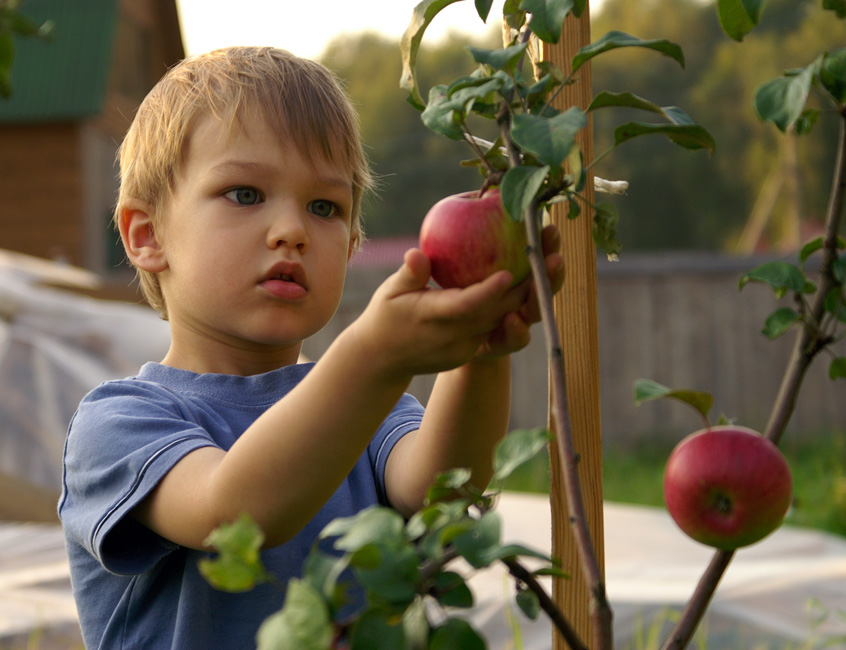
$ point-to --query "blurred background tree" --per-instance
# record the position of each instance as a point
(414, 166)
(677, 199)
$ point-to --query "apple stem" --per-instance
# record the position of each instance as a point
(809, 343)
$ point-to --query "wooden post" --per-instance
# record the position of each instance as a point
(576, 316)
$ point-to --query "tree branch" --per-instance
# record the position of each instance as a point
(809, 343)
(555, 615)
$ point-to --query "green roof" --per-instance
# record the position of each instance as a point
(64, 77)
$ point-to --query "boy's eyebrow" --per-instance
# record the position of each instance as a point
(256, 167)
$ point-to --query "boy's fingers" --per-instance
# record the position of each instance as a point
(555, 271)
(413, 275)
(492, 292)
(550, 239)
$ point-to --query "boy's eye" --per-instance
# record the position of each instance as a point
(323, 208)
(244, 195)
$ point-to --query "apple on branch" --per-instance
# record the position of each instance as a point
(467, 237)
(727, 486)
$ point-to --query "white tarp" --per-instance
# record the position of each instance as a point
(55, 346)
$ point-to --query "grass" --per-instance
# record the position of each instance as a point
(635, 476)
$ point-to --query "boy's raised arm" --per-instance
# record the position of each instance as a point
(288, 463)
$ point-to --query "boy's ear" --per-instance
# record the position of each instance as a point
(139, 239)
(351, 249)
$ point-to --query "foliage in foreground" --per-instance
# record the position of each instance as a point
(406, 569)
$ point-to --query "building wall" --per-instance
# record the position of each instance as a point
(42, 189)
(59, 180)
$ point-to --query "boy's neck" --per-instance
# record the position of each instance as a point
(233, 361)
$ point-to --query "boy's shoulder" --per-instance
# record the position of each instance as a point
(157, 381)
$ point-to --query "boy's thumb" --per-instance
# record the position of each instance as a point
(414, 272)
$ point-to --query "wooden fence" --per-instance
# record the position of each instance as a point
(678, 319)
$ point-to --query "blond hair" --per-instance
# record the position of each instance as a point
(301, 100)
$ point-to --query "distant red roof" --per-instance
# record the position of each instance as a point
(383, 252)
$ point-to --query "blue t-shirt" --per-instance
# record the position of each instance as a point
(135, 589)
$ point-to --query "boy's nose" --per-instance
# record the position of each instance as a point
(288, 229)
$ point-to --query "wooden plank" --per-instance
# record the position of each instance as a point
(576, 315)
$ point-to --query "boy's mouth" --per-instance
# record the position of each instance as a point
(286, 272)
(285, 280)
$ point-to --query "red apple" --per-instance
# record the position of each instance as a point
(727, 486)
(468, 237)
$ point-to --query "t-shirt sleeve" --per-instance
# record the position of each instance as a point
(404, 418)
(123, 439)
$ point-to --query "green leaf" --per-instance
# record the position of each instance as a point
(547, 17)
(837, 369)
(519, 187)
(833, 74)
(388, 571)
(517, 448)
(7, 56)
(550, 139)
(647, 390)
(738, 17)
(447, 533)
(448, 107)
(452, 590)
(528, 603)
(23, 25)
(483, 8)
(477, 544)
(689, 136)
(673, 114)
(574, 209)
(456, 633)
(616, 39)
(804, 124)
(515, 550)
(836, 305)
(837, 6)
(302, 623)
(839, 269)
(377, 630)
(373, 524)
(421, 17)
(446, 484)
(605, 229)
(810, 248)
(553, 571)
(512, 15)
(505, 59)
(437, 515)
(781, 276)
(415, 625)
(440, 115)
(779, 322)
(782, 100)
(238, 566)
(322, 572)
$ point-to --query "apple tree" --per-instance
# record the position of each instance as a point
(406, 568)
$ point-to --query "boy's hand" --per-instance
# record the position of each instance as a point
(412, 328)
(513, 333)
(416, 329)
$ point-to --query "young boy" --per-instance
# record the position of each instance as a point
(241, 180)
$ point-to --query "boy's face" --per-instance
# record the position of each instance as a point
(257, 240)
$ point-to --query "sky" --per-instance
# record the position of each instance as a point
(305, 26)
